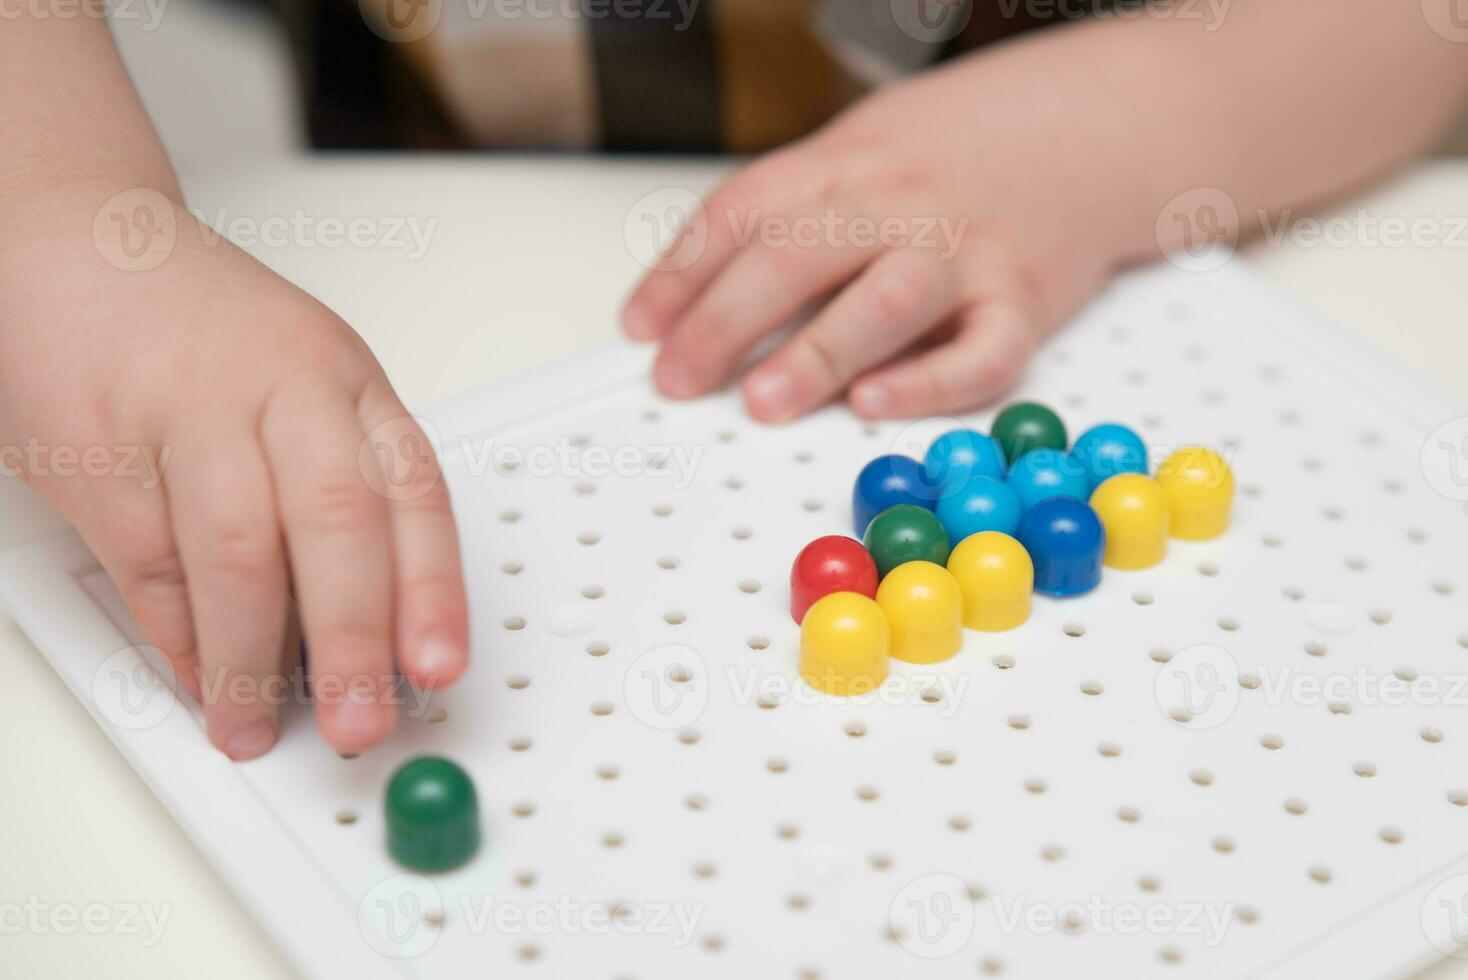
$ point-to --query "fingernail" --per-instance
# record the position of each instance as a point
(771, 392)
(440, 659)
(871, 399)
(250, 742)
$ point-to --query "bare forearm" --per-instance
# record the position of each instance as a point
(69, 115)
(1282, 103)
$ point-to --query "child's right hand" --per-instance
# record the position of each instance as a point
(937, 232)
(256, 402)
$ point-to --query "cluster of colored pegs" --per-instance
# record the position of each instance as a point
(965, 536)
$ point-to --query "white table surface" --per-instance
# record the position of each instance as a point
(527, 264)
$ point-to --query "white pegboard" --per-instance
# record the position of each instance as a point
(641, 742)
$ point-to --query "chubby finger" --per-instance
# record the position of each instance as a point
(133, 539)
(223, 511)
(761, 289)
(338, 538)
(432, 621)
(712, 236)
(896, 299)
(985, 358)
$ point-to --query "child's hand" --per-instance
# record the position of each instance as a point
(256, 401)
(987, 234)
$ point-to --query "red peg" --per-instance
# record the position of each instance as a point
(831, 564)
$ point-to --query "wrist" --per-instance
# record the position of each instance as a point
(1072, 149)
(121, 218)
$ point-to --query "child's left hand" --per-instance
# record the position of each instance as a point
(943, 227)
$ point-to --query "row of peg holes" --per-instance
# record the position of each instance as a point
(1004, 662)
(750, 586)
(809, 504)
(1380, 617)
(960, 823)
(1200, 777)
(1315, 648)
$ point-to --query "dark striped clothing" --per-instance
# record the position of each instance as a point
(631, 75)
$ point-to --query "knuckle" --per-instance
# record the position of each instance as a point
(434, 595)
(378, 400)
(904, 180)
(761, 183)
(748, 188)
(901, 294)
(781, 266)
(722, 212)
(324, 349)
(236, 552)
(156, 592)
(352, 650)
(426, 492)
(423, 492)
(162, 573)
(402, 465)
(343, 506)
(347, 635)
(244, 683)
(813, 349)
(307, 381)
(704, 341)
(823, 176)
(828, 186)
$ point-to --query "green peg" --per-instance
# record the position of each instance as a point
(906, 533)
(1028, 425)
(432, 815)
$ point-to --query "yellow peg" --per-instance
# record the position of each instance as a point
(924, 608)
(1200, 492)
(844, 644)
(1133, 508)
(997, 577)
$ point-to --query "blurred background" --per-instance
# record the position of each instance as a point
(220, 81)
